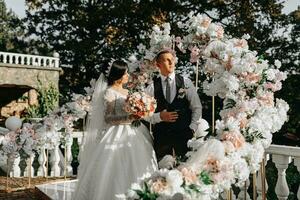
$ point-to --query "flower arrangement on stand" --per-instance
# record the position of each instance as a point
(246, 83)
(47, 133)
(23, 141)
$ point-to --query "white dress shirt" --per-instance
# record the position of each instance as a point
(191, 95)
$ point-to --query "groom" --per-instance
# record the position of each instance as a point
(178, 108)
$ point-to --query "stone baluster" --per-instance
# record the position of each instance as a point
(56, 59)
(42, 161)
(281, 162)
(35, 61)
(14, 162)
(68, 156)
(297, 164)
(4, 58)
(31, 62)
(243, 195)
(55, 169)
(39, 61)
(18, 60)
(9, 59)
(22, 60)
(29, 166)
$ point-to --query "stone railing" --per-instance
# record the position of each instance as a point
(280, 155)
(53, 160)
(29, 60)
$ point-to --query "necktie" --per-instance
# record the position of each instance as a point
(168, 89)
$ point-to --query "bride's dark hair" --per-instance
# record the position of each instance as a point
(117, 70)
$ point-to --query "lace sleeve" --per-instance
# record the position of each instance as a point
(111, 115)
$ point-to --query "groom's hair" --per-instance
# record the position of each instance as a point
(157, 57)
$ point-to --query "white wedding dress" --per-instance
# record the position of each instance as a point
(122, 155)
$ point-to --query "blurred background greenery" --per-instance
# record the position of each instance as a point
(86, 33)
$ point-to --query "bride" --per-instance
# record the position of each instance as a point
(115, 154)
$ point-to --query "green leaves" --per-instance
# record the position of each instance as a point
(146, 194)
(251, 137)
(47, 101)
(264, 77)
(205, 178)
(230, 103)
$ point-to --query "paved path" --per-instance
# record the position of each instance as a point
(19, 190)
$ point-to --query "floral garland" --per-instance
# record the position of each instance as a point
(250, 115)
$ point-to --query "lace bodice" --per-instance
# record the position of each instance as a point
(114, 112)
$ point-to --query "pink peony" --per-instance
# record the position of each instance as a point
(189, 176)
(159, 185)
(235, 138)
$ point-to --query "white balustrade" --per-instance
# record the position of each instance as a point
(280, 155)
(42, 163)
(29, 60)
(13, 163)
(54, 160)
(29, 166)
(68, 156)
(297, 164)
(281, 189)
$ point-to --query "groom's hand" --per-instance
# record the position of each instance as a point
(168, 116)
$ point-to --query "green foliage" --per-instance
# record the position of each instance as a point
(47, 101)
(251, 137)
(263, 78)
(192, 188)
(205, 178)
(230, 103)
(146, 194)
(13, 34)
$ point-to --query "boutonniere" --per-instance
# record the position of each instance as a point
(182, 92)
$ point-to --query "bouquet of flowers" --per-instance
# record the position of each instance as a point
(140, 104)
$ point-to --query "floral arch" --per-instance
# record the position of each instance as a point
(246, 83)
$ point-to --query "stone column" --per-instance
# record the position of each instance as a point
(32, 97)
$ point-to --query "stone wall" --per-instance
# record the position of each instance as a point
(18, 84)
(19, 75)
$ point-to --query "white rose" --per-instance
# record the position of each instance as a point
(277, 63)
(174, 178)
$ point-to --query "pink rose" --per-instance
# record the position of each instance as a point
(189, 176)
(159, 185)
(235, 138)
